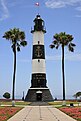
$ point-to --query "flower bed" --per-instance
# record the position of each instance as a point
(7, 112)
(74, 112)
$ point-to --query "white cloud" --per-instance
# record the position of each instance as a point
(5, 12)
(68, 57)
(61, 3)
(55, 4)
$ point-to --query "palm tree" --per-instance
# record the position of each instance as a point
(78, 94)
(63, 39)
(17, 39)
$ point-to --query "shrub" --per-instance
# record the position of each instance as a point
(6, 95)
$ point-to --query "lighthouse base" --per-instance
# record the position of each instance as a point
(38, 94)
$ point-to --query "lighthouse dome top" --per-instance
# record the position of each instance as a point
(38, 24)
(38, 17)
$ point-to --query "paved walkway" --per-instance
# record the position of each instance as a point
(40, 113)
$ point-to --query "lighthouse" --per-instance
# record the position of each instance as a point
(38, 90)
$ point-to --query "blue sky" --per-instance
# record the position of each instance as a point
(59, 16)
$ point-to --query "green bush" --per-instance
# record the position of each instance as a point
(6, 95)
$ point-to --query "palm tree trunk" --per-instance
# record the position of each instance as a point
(14, 73)
(63, 76)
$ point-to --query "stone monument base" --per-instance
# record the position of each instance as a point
(38, 94)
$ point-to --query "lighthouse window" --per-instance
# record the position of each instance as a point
(39, 61)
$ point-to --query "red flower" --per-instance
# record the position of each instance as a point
(6, 112)
(74, 112)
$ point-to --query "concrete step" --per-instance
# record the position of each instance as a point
(39, 103)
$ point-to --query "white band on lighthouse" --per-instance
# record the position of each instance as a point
(38, 67)
(38, 38)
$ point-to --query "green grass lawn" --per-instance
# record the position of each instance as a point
(16, 103)
(61, 102)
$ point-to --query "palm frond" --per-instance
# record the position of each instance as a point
(18, 48)
(72, 44)
(23, 43)
(52, 46)
(55, 42)
(71, 48)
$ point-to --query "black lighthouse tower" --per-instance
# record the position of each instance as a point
(38, 90)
